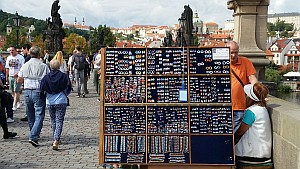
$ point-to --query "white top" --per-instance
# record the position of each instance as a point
(97, 61)
(63, 67)
(14, 64)
(33, 71)
(257, 140)
(69, 62)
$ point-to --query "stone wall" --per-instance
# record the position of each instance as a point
(285, 118)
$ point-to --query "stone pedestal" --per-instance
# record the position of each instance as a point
(250, 31)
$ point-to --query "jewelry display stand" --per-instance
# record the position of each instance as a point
(166, 107)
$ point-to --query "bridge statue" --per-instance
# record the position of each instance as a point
(54, 33)
(168, 40)
(187, 28)
(250, 25)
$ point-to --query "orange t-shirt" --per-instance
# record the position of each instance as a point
(243, 69)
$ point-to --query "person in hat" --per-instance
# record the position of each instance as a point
(253, 139)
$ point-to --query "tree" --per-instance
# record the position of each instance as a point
(285, 29)
(38, 41)
(72, 40)
(109, 38)
(196, 40)
(272, 75)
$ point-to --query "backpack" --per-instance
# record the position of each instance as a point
(79, 61)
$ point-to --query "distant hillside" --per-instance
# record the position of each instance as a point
(26, 22)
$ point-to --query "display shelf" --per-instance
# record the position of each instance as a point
(144, 119)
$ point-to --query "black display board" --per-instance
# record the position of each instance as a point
(145, 119)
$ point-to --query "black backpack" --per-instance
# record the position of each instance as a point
(79, 60)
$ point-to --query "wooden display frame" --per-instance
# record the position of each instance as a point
(146, 104)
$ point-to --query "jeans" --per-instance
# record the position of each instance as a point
(57, 114)
(79, 76)
(237, 117)
(35, 110)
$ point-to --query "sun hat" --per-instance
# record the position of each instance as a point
(250, 93)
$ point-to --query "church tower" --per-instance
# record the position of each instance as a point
(197, 23)
(75, 21)
(8, 28)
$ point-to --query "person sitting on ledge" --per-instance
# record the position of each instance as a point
(253, 139)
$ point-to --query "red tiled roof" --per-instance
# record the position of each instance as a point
(281, 43)
(269, 53)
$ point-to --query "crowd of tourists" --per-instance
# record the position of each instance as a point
(44, 82)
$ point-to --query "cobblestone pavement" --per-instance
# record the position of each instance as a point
(80, 138)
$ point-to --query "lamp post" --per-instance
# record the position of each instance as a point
(90, 39)
(16, 20)
(181, 23)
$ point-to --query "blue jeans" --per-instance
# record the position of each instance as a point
(238, 116)
(57, 114)
(79, 77)
(35, 110)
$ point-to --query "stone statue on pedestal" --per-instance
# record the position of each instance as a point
(54, 33)
(186, 29)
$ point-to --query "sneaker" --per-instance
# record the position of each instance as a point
(98, 99)
(77, 96)
(14, 108)
(10, 135)
(19, 104)
(24, 119)
(83, 95)
(34, 143)
(10, 120)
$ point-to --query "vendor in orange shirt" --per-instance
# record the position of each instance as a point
(242, 73)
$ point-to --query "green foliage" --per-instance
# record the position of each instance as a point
(272, 75)
(196, 40)
(285, 29)
(137, 34)
(272, 65)
(284, 88)
(25, 23)
(109, 38)
(72, 40)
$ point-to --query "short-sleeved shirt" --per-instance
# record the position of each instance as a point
(243, 68)
(257, 140)
(249, 117)
(14, 64)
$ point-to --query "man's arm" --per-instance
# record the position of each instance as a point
(6, 74)
(240, 132)
(252, 79)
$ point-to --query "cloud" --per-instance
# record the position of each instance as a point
(124, 13)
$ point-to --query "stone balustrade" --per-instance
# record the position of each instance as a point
(285, 118)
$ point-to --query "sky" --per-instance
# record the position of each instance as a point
(125, 13)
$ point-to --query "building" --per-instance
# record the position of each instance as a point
(229, 25)
(197, 24)
(210, 27)
(279, 48)
(77, 25)
(293, 56)
(293, 17)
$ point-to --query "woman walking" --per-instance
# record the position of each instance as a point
(60, 57)
(56, 85)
